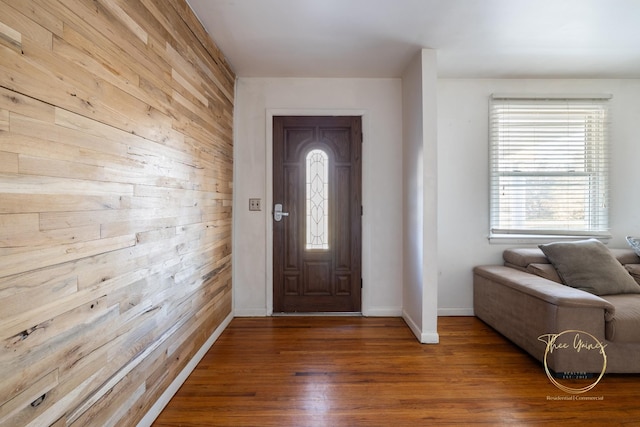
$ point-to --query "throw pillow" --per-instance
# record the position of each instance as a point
(634, 242)
(589, 265)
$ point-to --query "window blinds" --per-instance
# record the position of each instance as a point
(549, 166)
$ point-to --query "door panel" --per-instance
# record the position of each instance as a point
(326, 279)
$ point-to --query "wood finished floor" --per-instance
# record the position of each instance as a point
(353, 371)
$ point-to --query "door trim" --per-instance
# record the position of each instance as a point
(270, 113)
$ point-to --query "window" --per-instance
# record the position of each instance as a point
(549, 166)
(317, 198)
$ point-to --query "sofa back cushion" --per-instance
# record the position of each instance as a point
(522, 257)
(625, 256)
(544, 270)
(634, 270)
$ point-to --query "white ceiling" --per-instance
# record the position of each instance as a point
(474, 38)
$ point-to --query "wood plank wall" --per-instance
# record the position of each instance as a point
(115, 205)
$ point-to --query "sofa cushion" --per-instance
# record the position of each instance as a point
(589, 265)
(625, 256)
(625, 324)
(634, 270)
(522, 257)
(544, 270)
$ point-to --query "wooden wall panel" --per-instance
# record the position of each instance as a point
(116, 164)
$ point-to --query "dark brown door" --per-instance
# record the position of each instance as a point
(317, 246)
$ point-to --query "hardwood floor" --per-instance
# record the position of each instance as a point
(353, 371)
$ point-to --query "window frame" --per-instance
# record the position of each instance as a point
(596, 152)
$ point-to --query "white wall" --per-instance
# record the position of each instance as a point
(420, 292)
(413, 195)
(463, 173)
(379, 101)
(430, 176)
(459, 116)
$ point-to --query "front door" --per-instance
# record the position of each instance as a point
(317, 238)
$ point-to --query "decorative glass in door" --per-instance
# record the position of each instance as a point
(317, 200)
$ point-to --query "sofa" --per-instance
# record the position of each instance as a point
(575, 306)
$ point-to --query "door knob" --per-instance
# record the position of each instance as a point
(277, 212)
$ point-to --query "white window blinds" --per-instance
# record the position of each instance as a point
(549, 166)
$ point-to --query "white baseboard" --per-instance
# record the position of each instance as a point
(429, 338)
(383, 312)
(372, 312)
(455, 312)
(164, 399)
(412, 325)
(250, 312)
(423, 337)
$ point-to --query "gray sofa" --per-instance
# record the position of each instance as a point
(526, 301)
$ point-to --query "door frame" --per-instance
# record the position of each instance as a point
(268, 206)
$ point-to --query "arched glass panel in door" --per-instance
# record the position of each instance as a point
(317, 200)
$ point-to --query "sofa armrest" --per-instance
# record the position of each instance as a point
(544, 289)
(524, 307)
